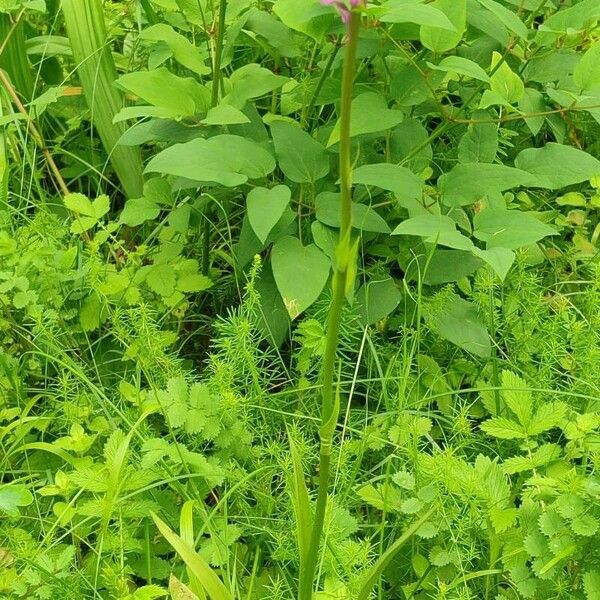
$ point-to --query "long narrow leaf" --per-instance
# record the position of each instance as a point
(384, 560)
(301, 503)
(14, 57)
(211, 583)
(96, 69)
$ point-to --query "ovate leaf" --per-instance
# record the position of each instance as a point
(468, 183)
(441, 40)
(405, 185)
(556, 166)
(458, 322)
(370, 114)
(300, 272)
(301, 158)
(229, 160)
(511, 229)
(413, 11)
(587, 73)
(12, 497)
(266, 207)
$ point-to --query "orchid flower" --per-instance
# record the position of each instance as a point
(344, 7)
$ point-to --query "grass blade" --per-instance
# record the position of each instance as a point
(301, 503)
(213, 586)
(384, 560)
(97, 72)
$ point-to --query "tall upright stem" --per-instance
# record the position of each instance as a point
(330, 405)
(214, 100)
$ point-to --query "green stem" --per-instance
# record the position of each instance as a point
(220, 33)
(330, 405)
(214, 100)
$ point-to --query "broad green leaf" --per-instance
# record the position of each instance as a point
(467, 183)
(461, 66)
(480, 143)
(363, 217)
(511, 229)
(213, 586)
(229, 160)
(184, 52)
(531, 103)
(277, 35)
(182, 96)
(500, 259)
(506, 87)
(301, 158)
(370, 114)
(377, 299)
(556, 166)
(413, 11)
(572, 19)
(12, 497)
(266, 207)
(138, 210)
(161, 279)
(587, 73)
(508, 17)
(458, 322)
(410, 146)
(405, 185)
(441, 40)
(225, 114)
(306, 16)
(251, 81)
(434, 229)
(300, 272)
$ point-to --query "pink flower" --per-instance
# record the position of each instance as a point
(344, 7)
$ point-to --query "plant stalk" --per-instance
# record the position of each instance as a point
(341, 279)
(214, 100)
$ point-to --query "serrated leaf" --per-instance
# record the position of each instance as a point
(13, 497)
(503, 428)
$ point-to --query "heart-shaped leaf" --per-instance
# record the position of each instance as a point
(300, 273)
(266, 207)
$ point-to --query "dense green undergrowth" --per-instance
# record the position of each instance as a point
(174, 177)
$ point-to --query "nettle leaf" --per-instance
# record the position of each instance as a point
(301, 158)
(364, 217)
(458, 322)
(405, 185)
(300, 273)
(587, 72)
(266, 207)
(503, 428)
(229, 160)
(183, 51)
(517, 396)
(467, 183)
(556, 166)
(370, 114)
(176, 96)
(12, 497)
(461, 66)
(413, 11)
(511, 229)
(441, 40)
